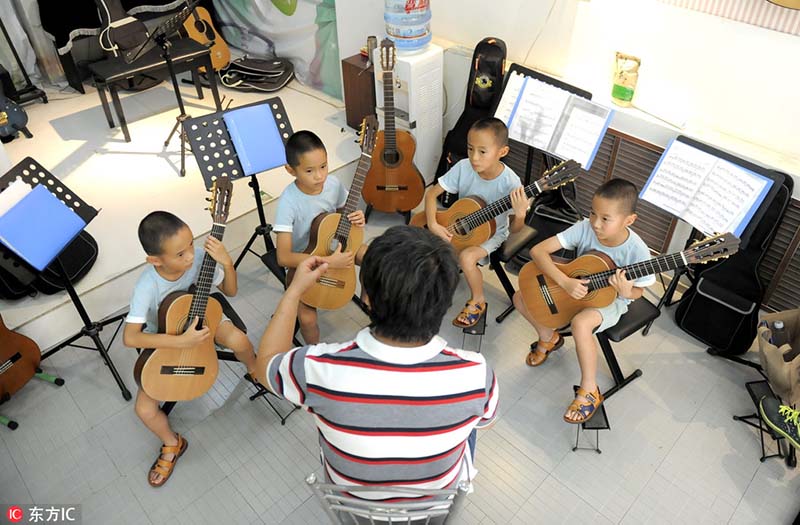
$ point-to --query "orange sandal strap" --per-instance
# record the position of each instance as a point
(586, 410)
(471, 312)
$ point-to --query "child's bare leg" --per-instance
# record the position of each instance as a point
(468, 260)
(309, 328)
(545, 333)
(583, 326)
(157, 422)
(235, 340)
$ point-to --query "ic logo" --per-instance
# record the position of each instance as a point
(14, 514)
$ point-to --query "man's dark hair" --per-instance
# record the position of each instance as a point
(409, 275)
(496, 126)
(155, 228)
(300, 143)
(622, 191)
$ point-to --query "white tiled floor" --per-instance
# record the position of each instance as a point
(673, 454)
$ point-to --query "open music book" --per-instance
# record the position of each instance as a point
(552, 119)
(256, 138)
(710, 193)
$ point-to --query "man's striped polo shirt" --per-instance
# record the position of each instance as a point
(390, 415)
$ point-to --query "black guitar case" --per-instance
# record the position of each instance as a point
(720, 308)
(484, 88)
(78, 258)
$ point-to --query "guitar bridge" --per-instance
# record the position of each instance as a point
(332, 283)
(546, 294)
(393, 187)
(183, 370)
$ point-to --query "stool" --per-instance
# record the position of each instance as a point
(512, 245)
(187, 55)
(598, 422)
(758, 390)
(478, 329)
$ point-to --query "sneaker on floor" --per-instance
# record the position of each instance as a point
(782, 419)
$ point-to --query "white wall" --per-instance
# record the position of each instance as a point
(728, 83)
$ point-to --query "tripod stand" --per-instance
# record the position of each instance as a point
(165, 45)
(269, 257)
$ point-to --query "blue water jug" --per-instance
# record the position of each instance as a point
(408, 23)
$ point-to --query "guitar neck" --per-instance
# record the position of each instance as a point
(663, 263)
(390, 133)
(205, 278)
(351, 204)
(496, 208)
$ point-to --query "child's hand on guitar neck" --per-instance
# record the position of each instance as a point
(217, 251)
(339, 259)
(192, 336)
(576, 288)
(357, 218)
(306, 274)
(621, 284)
(519, 202)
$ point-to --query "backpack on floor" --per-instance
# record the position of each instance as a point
(256, 74)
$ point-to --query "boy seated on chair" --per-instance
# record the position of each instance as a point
(174, 265)
(312, 193)
(483, 175)
(607, 230)
(396, 405)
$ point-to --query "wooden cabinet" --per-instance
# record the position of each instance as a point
(359, 89)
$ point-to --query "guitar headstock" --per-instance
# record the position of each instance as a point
(221, 192)
(560, 174)
(387, 54)
(712, 248)
(368, 134)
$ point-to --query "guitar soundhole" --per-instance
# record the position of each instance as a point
(391, 157)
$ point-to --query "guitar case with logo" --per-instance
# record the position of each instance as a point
(78, 258)
(721, 306)
(484, 88)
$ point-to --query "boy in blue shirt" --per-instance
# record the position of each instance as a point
(482, 174)
(312, 193)
(174, 266)
(607, 230)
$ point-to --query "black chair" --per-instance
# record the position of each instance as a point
(513, 245)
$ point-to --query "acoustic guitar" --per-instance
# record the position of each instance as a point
(201, 29)
(330, 230)
(181, 374)
(553, 307)
(472, 222)
(19, 359)
(393, 182)
(12, 118)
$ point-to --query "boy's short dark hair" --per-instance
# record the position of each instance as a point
(409, 275)
(622, 191)
(496, 126)
(300, 143)
(155, 228)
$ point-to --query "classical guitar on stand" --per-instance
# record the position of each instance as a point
(181, 374)
(393, 184)
(331, 230)
(201, 30)
(19, 360)
(472, 222)
(552, 306)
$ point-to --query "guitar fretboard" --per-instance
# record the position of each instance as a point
(389, 134)
(638, 270)
(205, 278)
(351, 205)
(476, 218)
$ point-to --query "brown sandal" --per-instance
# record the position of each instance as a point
(471, 313)
(535, 358)
(586, 410)
(165, 467)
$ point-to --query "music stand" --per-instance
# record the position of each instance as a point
(33, 174)
(160, 36)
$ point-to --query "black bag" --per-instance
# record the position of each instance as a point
(256, 74)
(720, 308)
(78, 258)
(484, 87)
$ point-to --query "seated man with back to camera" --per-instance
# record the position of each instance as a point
(396, 405)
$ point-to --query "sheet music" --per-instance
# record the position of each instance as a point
(708, 192)
(552, 119)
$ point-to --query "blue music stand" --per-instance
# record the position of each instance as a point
(26, 260)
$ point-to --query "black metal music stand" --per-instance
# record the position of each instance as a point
(33, 174)
(216, 156)
(160, 36)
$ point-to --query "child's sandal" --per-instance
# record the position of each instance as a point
(536, 358)
(586, 410)
(164, 467)
(470, 314)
